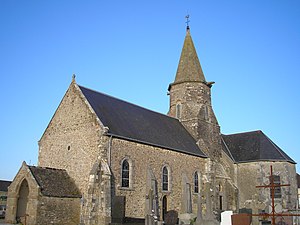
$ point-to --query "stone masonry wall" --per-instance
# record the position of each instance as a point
(226, 184)
(257, 173)
(59, 211)
(144, 156)
(72, 139)
(197, 115)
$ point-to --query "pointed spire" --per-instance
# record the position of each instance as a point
(189, 68)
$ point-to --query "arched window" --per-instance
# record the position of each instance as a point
(196, 182)
(178, 110)
(125, 173)
(165, 179)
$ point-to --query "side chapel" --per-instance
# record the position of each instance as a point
(106, 161)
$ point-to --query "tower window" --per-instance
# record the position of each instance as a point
(178, 110)
(165, 179)
(206, 112)
(125, 173)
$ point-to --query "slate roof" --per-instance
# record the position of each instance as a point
(132, 122)
(55, 182)
(253, 146)
(4, 185)
(226, 149)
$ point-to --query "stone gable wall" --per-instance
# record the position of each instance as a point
(144, 156)
(72, 139)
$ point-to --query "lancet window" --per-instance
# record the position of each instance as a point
(165, 179)
(125, 173)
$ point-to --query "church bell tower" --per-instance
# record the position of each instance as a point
(190, 101)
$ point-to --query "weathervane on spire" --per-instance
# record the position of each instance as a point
(187, 21)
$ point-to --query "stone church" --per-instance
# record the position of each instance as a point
(106, 161)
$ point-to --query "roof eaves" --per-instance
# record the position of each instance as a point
(243, 132)
(265, 160)
(279, 150)
(4, 184)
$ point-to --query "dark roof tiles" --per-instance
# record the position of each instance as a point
(4, 185)
(55, 182)
(132, 122)
(253, 146)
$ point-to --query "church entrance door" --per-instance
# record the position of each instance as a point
(22, 200)
(164, 206)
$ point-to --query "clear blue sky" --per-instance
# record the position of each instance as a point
(130, 50)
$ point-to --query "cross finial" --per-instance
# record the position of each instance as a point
(187, 21)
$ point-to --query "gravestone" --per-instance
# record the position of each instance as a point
(171, 217)
(199, 220)
(151, 201)
(226, 218)
(209, 210)
(186, 203)
(245, 210)
(118, 209)
(189, 198)
(242, 218)
(284, 220)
